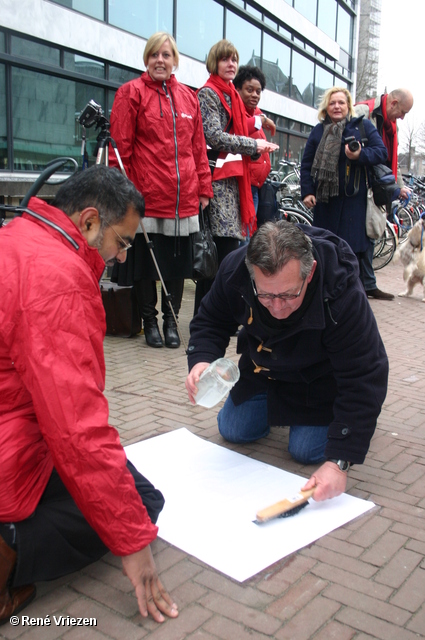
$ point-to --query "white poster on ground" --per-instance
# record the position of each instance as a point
(212, 495)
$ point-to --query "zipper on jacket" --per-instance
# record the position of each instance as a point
(177, 217)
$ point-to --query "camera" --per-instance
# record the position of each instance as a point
(353, 144)
(91, 114)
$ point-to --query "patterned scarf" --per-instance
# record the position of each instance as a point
(240, 128)
(324, 170)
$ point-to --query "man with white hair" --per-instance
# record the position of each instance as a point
(383, 112)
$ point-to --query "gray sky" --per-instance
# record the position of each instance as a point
(402, 54)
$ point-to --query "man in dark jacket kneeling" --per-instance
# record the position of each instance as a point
(311, 353)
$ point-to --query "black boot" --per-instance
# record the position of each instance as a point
(175, 290)
(152, 336)
(172, 340)
(147, 299)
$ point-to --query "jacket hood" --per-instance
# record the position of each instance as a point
(59, 225)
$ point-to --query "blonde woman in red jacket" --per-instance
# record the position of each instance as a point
(157, 126)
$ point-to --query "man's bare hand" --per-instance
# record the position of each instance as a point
(193, 379)
(151, 595)
(329, 480)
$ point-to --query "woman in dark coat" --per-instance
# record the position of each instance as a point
(333, 177)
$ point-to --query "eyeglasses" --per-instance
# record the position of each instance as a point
(125, 246)
(277, 296)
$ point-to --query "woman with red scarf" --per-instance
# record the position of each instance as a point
(232, 213)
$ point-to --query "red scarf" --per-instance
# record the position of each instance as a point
(239, 128)
(389, 136)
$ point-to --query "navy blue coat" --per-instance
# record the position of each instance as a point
(330, 368)
(343, 215)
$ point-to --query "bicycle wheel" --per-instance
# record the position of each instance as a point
(295, 215)
(384, 247)
(405, 222)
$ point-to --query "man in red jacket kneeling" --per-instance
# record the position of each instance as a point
(67, 492)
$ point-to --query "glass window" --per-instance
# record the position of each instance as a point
(344, 29)
(282, 140)
(2, 42)
(302, 78)
(144, 17)
(254, 12)
(307, 8)
(199, 26)
(296, 148)
(324, 80)
(35, 51)
(326, 19)
(93, 8)
(285, 32)
(120, 75)
(3, 133)
(276, 64)
(246, 38)
(111, 96)
(87, 66)
(271, 23)
(45, 118)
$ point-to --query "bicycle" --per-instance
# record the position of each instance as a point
(385, 247)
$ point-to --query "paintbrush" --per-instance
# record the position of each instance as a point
(285, 508)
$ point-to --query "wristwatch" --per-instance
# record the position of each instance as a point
(344, 465)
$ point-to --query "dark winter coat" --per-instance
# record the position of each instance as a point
(344, 215)
(329, 368)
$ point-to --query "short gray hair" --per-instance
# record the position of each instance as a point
(275, 244)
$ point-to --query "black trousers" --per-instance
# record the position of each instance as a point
(56, 539)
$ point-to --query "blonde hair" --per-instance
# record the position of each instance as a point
(326, 98)
(155, 42)
(220, 50)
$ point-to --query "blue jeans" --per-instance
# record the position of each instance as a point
(367, 272)
(248, 422)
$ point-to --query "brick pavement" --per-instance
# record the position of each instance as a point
(365, 580)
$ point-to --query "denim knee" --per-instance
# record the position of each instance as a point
(246, 422)
(307, 444)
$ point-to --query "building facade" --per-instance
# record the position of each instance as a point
(56, 55)
(368, 49)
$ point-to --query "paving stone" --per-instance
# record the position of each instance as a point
(368, 604)
(309, 620)
(249, 616)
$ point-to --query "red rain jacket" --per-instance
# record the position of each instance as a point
(53, 412)
(158, 130)
(259, 169)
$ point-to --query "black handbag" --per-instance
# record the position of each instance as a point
(383, 185)
(204, 250)
(382, 179)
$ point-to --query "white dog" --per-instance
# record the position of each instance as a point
(412, 256)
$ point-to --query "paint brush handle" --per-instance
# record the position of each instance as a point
(278, 508)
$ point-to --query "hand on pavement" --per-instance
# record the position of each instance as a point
(151, 596)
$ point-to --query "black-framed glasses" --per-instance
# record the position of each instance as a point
(125, 246)
(277, 296)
